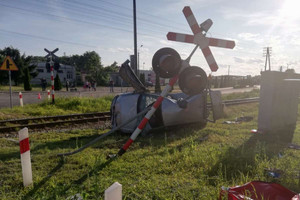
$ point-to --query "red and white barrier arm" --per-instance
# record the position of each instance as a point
(149, 114)
(25, 156)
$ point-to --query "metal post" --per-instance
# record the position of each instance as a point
(269, 59)
(138, 64)
(135, 36)
(10, 92)
(228, 70)
(52, 79)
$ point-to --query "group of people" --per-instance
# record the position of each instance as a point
(89, 85)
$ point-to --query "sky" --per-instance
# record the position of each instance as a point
(106, 26)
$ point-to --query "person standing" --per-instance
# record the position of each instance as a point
(67, 85)
(111, 84)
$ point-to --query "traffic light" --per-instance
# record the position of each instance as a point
(56, 65)
(48, 66)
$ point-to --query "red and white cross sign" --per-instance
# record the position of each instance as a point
(200, 39)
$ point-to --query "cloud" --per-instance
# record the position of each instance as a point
(253, 60)
(238, 60)
(120, 50)
(257, 38)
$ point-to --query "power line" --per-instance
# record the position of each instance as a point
(141, 12)
(45, 38)
(62, 17)
(110, 18)
(124, 15)
(33, 12)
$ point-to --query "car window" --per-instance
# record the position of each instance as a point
(145, 100)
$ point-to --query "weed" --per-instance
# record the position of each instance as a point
(175, 164)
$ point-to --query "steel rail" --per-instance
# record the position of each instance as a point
(57, 117)
(55, 123)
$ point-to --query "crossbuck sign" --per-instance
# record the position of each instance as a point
(199, 38)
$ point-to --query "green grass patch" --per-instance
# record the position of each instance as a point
(20, 88)
(241, 95)
(62, 106)
(183, 163)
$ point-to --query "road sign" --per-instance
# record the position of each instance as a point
(199, 38)
(9, 65)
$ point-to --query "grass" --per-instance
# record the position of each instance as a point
(241, 95)
(62, 106)
(175, 164)
(20, 88)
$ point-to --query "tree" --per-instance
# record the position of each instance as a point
(90, 63)
(291, 71)
(102, 74)
(57, 83)
(22, 62)
(27, 85)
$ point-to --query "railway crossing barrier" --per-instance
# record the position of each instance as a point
(25, 157)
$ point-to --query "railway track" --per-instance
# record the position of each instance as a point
(240, 101)
(52, 121)
(13, 125)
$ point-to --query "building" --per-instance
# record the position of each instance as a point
(65, 72)
(150, 76)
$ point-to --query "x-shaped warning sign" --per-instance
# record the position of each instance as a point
(200, 39)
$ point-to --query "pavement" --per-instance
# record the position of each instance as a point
(32, 97)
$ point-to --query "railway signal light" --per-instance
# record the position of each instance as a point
(192, 80)
(166, 62)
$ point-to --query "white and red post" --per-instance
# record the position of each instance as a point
(25, 157)
(114, 192)
(52, 80)
(21, 99)
(48, 91)
(149, 114)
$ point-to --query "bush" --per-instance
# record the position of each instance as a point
(27, 86)
(57, 83)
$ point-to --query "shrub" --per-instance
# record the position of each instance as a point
(27, 85)
(57, 83)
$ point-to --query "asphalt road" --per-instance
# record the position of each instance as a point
(32, 97)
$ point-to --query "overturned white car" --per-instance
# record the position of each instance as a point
(175, 109)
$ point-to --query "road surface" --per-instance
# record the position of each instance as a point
(32, 97)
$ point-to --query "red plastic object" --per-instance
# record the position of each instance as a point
(258, 190)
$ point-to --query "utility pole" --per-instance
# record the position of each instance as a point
(135, 37)
(138, 63)
(267, 51)
(228, 70)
